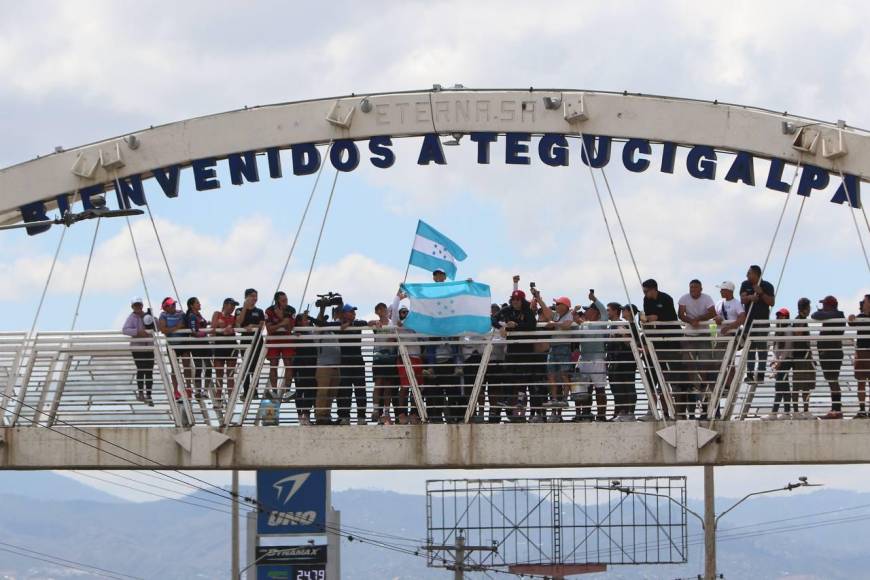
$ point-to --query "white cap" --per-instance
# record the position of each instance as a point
(726, 286)
(136, 300)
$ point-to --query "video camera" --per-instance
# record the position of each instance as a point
(329, 299)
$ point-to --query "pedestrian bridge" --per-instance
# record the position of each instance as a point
(71, 400)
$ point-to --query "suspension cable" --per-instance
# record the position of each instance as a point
(138, 261)
(85, 276)
(606, 222)
(317, 245)
(621, 225)
(790, 244)
(855, 220)
(302, 219)
(47, 282)
(163, 252)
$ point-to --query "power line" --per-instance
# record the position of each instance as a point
(58, 561)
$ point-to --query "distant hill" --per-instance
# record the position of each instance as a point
(170, 540)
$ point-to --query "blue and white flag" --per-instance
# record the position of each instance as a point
(433, 250)
(448, 308)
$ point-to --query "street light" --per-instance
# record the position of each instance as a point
(69, 218)
(709, 530)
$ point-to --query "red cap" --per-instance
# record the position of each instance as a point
(564, 300)
(828, 301)
(518, 294)
(168, 301)
(783, 312)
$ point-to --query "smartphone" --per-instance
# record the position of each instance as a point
(592, 291)
(531, 284)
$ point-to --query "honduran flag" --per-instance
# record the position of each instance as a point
(433, 250)
(448, 308)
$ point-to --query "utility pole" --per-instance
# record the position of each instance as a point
(235, 527)
(709, 524)
(459, 568)
(460, 552)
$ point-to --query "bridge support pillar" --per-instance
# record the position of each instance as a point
(687, 438)
(202, 444)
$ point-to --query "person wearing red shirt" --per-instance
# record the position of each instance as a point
(280, 321)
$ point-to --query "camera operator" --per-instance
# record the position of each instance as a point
(250, 319)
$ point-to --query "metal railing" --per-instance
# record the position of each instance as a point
(603, 371)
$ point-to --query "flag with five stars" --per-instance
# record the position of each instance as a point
(448, 308)
(433, 250)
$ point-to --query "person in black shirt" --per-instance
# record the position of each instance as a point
(862, 354)
(757, 296)
(352, 384)
(517, 317)
(250, 319)
(659, 312)
(304, 363)
(831, 351)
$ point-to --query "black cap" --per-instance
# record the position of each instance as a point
(232, 301)
(650, 283)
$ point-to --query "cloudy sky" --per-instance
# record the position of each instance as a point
(73, 76)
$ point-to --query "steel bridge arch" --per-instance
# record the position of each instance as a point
(50, 179)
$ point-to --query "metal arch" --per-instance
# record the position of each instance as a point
(401, 114)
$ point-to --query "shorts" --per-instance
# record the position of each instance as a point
(803, 374)
(831, 361)
(224, 354)
(384, 367)
(559, 360)
(590, 373)
(284, 352)
(862, 364)
(180, 346)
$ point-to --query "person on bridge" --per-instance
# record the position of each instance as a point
(198, 358)
(171, 324)
(280, 320)
(223, 323)
(862, 354)
(518, 318)
(304, 369)
(620, 365)
(407, 411)
(386, 391)
(696, 310)
(559, 366)
(758, 297)
(659, 313)
(142, 346)
(590, 375)
(831, 351)
(250, 319)
(352, 381)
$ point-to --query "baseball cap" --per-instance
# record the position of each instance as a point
(230, 300)
(829, 301)
(348, 308)
(439, 271)
(727, 285)
(168, 301)
(136, 300)
(783, 312)
(518, 294)
(564, 300)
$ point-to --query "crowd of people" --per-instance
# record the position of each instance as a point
(544, 356)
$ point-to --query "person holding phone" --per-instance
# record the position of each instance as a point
(250, 318)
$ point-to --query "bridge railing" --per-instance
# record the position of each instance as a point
(320, 375)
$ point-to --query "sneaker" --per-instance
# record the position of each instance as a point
(648, 416)
(344, 421)
(600, 418)
(141, 398)
(624, 418)
(536, 419)
(304, 421)
(149, 401)
(770, 417)
(833, 415)
(861, 415)
(554, 419)
(807, 416)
